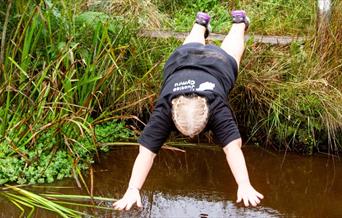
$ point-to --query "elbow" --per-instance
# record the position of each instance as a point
(146, 153)
(239, 142)
(232, 146)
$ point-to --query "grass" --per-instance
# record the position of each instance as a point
(268, 17)
(54, 79)
(22, 199)
(296, 92)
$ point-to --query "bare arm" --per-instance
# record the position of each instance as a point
(141, 168)
(237, 164)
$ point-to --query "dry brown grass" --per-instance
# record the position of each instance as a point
(145, 12)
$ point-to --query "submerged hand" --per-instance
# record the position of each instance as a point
(249, 195)
(131, 196)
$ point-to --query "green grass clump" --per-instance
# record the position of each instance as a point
(273, 17)
(291, 95)
(269, 17)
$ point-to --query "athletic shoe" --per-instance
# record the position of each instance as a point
(239, 16)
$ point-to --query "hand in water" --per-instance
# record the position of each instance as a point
(131, 197)
(249, 195)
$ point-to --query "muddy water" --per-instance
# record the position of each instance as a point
(198, 183)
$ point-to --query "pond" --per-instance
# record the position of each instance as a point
(198, 183)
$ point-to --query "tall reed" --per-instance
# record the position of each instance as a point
(293, 94)
(60, 66)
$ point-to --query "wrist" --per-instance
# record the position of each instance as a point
(244, 183)
(133, 188)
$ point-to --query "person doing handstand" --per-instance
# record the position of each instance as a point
(194, 98)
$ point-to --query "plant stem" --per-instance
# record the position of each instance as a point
(3, 38)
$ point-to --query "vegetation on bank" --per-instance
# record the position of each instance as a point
(72, 72)
(60, 71)
(269, 17)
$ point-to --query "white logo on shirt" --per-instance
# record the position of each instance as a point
(184, 85)
(206, 86)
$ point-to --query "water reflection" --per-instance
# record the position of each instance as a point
(198, 183)
(293, 185)
(165, 205)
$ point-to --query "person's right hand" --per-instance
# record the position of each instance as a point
(248, 194)
(131, 196)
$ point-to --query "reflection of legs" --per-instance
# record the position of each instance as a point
(196, 34)
(234, 43)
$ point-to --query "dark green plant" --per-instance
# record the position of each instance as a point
(54, 152)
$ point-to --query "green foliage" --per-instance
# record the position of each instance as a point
(184, 13)
(295, 119)
(281, 17)
(112, 131)
(46, 160)
(285, 99)
(58, 67)
(267, 17)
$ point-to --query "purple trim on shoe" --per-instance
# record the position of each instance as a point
(241, 13)
(239, 16)
(203, 17)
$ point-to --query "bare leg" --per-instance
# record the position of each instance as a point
(196, 35)
(234, 43)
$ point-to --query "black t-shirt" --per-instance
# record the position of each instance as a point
(205, 70)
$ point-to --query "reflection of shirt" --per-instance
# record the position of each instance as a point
(193, 68)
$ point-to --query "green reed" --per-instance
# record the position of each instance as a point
(58, 72)
(293, 93)
(23, 198)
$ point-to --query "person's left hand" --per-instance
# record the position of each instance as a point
(248, 194)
